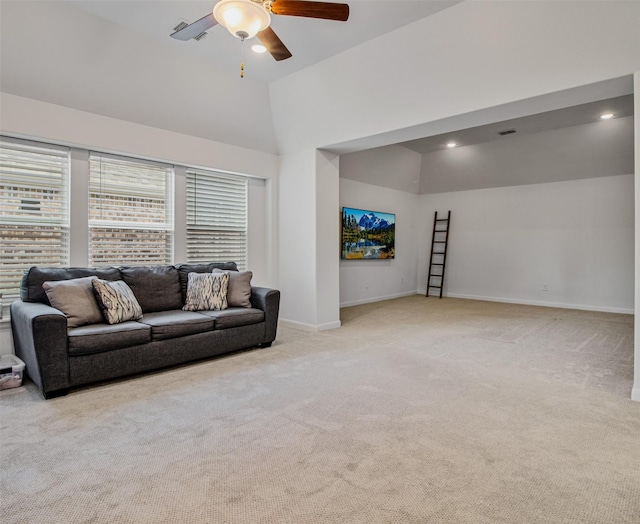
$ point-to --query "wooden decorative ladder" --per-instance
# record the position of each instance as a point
(439, 241)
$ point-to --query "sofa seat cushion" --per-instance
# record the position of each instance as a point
(97, 338)
(176, 323)
(235, 316)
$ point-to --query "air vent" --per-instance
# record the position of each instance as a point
(506, 132)
(181, 25)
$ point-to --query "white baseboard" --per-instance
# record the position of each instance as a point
(313, 328)
(329, 325)
(378, 299)
(525, 302)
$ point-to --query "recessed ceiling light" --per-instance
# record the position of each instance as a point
(606, 116)
(257, 48)
(451, 144)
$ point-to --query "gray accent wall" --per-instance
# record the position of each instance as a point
(602, 148)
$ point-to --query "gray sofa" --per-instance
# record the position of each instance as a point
(58, 357)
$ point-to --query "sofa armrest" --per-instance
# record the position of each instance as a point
(268, 300)
(40, 340)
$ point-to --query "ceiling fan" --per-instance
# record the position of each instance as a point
(245, 19)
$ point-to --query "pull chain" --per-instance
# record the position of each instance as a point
(242, 57)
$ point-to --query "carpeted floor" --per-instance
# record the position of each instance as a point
(415, 411)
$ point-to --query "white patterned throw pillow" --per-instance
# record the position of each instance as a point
(117, 301)
(206, 292)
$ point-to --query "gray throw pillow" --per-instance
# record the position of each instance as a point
(117, 301)
(75, 298)
(239, 292)
(206, 292)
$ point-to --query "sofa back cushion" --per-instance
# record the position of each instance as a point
(185, 269)
(157, 288)
(31, 289)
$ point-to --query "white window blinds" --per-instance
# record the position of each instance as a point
(130, 211)
(34, 210)
(216, 218)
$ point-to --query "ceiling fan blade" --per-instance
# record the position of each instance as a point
(324, 10)
(196, 28)
(273, 44)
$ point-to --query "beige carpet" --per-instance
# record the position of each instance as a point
(416, 411)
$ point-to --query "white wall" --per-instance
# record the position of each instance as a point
(635, 393)
(506, 244)
(29, 118)
(327, 223)
(308, 221)
(6, 340)
(297, 233)
(382, 179)
(259, 235)
(575, 236)
(393, 166)
(363, 281)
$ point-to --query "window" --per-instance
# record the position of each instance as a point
(34, 210)
(216, 217)
(130, 211)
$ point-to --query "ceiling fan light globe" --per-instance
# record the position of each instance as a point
(242, 17)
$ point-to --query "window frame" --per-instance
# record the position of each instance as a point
(33, 216)
(229, 196)
(104, 192)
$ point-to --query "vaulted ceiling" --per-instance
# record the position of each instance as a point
(309, 40)
(117, 59)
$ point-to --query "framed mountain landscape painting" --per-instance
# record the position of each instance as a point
(368, 234)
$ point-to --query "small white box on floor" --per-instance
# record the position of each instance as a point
(11, 369)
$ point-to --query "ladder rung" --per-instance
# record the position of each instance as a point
(442, 220)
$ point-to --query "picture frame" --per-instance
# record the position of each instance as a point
(367, 234)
